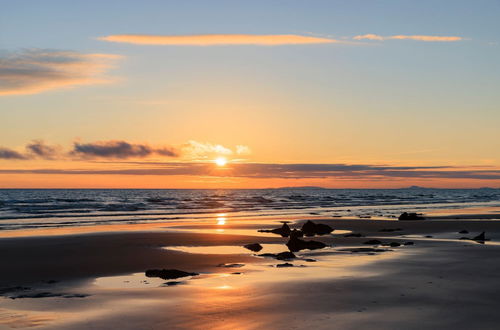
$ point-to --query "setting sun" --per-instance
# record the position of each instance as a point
(221, 161)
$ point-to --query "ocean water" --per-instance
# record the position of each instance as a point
(42, 208)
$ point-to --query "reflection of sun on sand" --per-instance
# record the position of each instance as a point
(344, 284)
(16, 319)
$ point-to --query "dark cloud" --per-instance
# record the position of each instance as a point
(118, 150)
(10, 154)
(286, 171)
(166, 151)
(38, 148)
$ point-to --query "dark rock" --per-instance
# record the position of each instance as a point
(296, 233)
(286, 264)
(172, 283)
(168, 274)
(236, 273)
(408, 243)
(394, 244)
(280, 256)
(428, 236)
(255, 247)
(354, 235)
(310, 260)
(310, 228)
(285, 255)
(373, 242)
(411, 216)
(480, 237)
(463, 231)
(284, 230)
(296, 244)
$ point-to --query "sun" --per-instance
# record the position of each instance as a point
(221, 161)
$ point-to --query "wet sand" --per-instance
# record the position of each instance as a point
(440, 282)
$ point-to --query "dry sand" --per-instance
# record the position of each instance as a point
(440, 282)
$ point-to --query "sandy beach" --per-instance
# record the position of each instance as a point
(97, 280)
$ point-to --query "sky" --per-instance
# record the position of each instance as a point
(339, 94)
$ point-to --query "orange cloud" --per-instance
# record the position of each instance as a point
(405, 37)
(217, 39)
(38, 70)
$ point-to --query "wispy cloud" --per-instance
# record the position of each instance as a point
(38, 70)
(408, 37)
(119, 150)
(217, 39)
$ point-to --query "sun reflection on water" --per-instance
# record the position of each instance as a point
(221, 219)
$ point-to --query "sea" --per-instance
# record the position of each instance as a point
(50, 208)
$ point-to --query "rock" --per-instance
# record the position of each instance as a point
(394, 244)
(284, 230)
(354, 235)
(255, 247)
(296, 244)
(280, 256)
(373, 242)
(286, 264)
(389, 230)
(408, 243)
(480, 237)
(463, 231)
(310, 228)
(296, 233)
(285, 255)
(411, 216)
(310, 260)
(428, 236)
(168, 274)
(172, 283)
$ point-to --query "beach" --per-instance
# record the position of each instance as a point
(96, 279)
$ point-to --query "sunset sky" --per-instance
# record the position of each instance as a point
(148, 94)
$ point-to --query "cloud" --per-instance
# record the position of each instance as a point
(38, 148)
(205, 150)
(217, 39)
(243, 150)
(34, 71)
(407, 37)
(119, 150)
(6, 153)
(284, 171)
